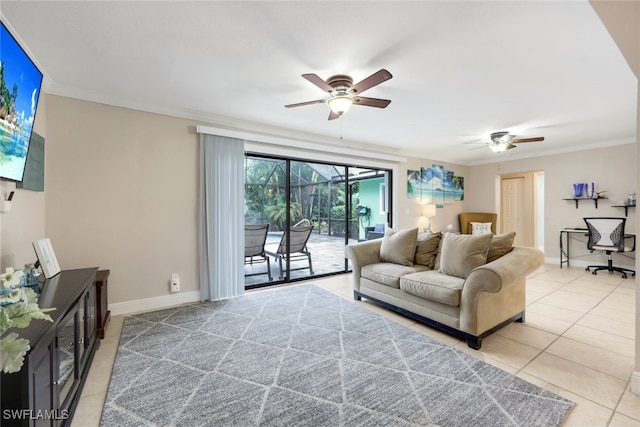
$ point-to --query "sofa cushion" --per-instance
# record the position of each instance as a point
(388, 273)
(461, 253)
(427, 249)
(399, 246)
(433, 286)
(501, 244)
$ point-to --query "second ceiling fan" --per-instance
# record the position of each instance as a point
(343, 93)
(501, 141)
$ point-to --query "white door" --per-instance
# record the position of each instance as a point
(512, 208)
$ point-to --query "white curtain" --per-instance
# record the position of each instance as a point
(221, 217)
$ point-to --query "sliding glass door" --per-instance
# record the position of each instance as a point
(311, 210)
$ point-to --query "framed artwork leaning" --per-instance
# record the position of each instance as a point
(46, 257)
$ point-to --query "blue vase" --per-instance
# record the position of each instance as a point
(578, 189)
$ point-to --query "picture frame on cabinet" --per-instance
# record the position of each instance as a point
(46, 257)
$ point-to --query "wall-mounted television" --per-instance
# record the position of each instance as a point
(20, 82)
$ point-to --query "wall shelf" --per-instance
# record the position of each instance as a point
(626, 208)
(577, 199)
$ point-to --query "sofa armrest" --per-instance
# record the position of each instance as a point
(495, 291)
(507, 269)
(361, 254)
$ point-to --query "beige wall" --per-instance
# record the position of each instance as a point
(611, 168)
(121, 194)
(26, 220)
(622, 20)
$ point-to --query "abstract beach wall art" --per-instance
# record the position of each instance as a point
(432, 189)
(435, 185)
(413, 183)
(447, 185)
(458, 188)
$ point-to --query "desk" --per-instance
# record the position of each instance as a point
(564, 252)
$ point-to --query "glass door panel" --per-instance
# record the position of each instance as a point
(370, 195)
(265, 203)
(318, 199)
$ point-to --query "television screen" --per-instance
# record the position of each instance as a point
(20, 82)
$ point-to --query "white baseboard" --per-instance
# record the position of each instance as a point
(154, 303)
(574, 262)
(583, 263)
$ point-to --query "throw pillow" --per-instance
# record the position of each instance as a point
(438, 255)
(501, 244)
(427, 249)
(480, 228)
(461, 253)
(399, 246)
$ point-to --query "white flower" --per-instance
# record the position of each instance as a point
(14, 296)
(11, 279)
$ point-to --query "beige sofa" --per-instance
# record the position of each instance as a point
(465, 285)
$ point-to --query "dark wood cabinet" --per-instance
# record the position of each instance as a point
(103, 315)
(46, 390)
(42, 362)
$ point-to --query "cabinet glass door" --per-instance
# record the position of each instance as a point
(82, 321)
(67, 351)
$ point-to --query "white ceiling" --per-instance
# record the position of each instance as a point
(461, 70)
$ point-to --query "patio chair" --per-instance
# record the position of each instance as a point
(255, 237)
(297, 248)
(376, 232)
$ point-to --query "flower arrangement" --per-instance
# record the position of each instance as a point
(18, 305)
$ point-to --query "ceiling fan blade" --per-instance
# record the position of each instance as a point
(475, 148)
(316, 80)
(371, 102)
(519, 140)
(371, 81)
(301, 104)
(333, 116)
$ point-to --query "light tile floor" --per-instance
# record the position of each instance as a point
(578, 341)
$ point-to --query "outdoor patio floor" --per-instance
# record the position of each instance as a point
(327, 256)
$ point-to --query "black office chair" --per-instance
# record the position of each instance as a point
(607, 234)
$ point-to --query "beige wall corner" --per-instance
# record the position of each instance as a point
(622, 20)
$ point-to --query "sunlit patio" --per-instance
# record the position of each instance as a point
(327, 256)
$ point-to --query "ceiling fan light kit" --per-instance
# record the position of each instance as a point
(498, 147)
(343, 92)
(340, 104)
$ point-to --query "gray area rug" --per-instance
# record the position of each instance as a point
(302, 356)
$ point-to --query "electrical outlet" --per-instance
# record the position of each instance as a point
(174, 283)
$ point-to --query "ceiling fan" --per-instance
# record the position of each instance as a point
(343, 93)
(501, 141)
